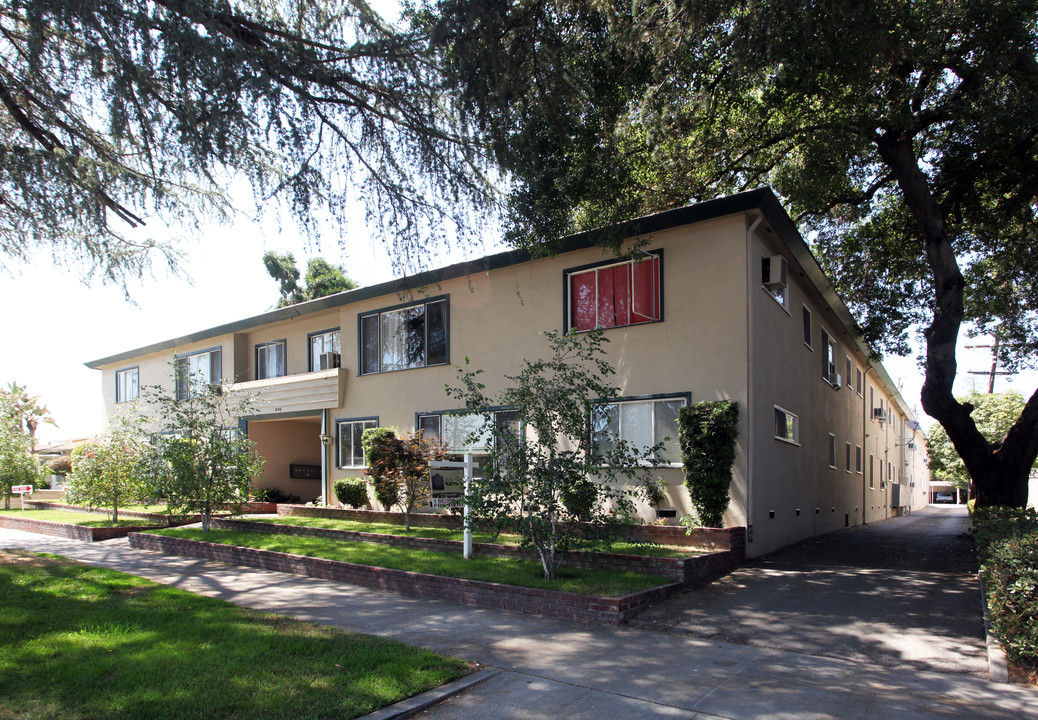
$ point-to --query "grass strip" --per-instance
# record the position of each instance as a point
(80, 642)
(71, 517)
(508, 571)
(625, 548)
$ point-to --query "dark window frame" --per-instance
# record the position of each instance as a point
(283, 369)
(567, 301)
(135, 369)
(362, 369)
(655, 397)
(310, 366)
(339, 422)
(216, 366)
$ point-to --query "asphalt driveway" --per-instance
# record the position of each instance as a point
(899, 593)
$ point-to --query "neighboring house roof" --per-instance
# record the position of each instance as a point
(762, 200)
(60, 447)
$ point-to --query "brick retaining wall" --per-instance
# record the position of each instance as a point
(254, 508)
(70, 532)
(687, 570)
(570, 606)
(732, 539)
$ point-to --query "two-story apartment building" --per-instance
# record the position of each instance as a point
(723, 300)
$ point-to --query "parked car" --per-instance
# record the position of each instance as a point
(945, 497)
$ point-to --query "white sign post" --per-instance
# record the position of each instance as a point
(468, 464)
(22, 490)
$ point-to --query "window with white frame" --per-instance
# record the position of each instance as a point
(832, 451)
(325, 350)
(858, 462)
(807, 327)
(196, 372)
(858, 381)
(872, 471)
(270, 360)
(641, 422)
(847, 460)
(348, 436)
(847, 366)
(615, 294)
(127, 385)
(787, 426)
(403, 338)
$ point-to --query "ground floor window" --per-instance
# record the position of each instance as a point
(350, 452)
(642, 422)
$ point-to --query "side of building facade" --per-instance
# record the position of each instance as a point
(722, 300)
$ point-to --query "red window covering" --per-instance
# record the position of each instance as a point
(582, 300)
(614, 296)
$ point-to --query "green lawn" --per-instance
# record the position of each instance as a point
(629, 548)
(509, 571)
(79, 642)
(71, 517)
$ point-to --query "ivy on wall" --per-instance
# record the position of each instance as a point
(707, 432)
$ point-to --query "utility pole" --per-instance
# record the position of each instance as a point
(994, 365)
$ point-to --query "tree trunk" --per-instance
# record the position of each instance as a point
(1000, 471)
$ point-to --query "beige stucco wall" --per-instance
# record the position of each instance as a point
(795, 493)
(286, 442)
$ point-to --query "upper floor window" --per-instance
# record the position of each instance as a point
(641, 422)
(349, 433)
(401, 338)
(270, 360)
(807, 326)
(197, 371)
(615, 294)
(787, 426)
(828, 357)
(325, 350)
(127, 385)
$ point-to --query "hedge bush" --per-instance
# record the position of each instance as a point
(352, 492)
(1007, 548)
(707, 431)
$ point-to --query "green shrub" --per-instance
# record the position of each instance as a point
(274, 495)
(1007, 546)
(993, 524)
(352, 492)
(707, 431)
(579, 497)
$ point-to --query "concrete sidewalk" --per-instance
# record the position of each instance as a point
(555, 669)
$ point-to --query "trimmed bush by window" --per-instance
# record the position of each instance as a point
(707, 431)
(352, 492)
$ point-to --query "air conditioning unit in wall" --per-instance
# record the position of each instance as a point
(879, 414)
(775, 271)
(836, 380)
(328, 360)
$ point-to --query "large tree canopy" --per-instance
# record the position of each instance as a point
(115, 112)
(901, 134)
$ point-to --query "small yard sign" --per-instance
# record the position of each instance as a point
(22, 490)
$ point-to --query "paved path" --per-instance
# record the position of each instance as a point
(899, 593)
(556, 669)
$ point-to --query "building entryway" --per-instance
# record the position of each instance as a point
(291, 449)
